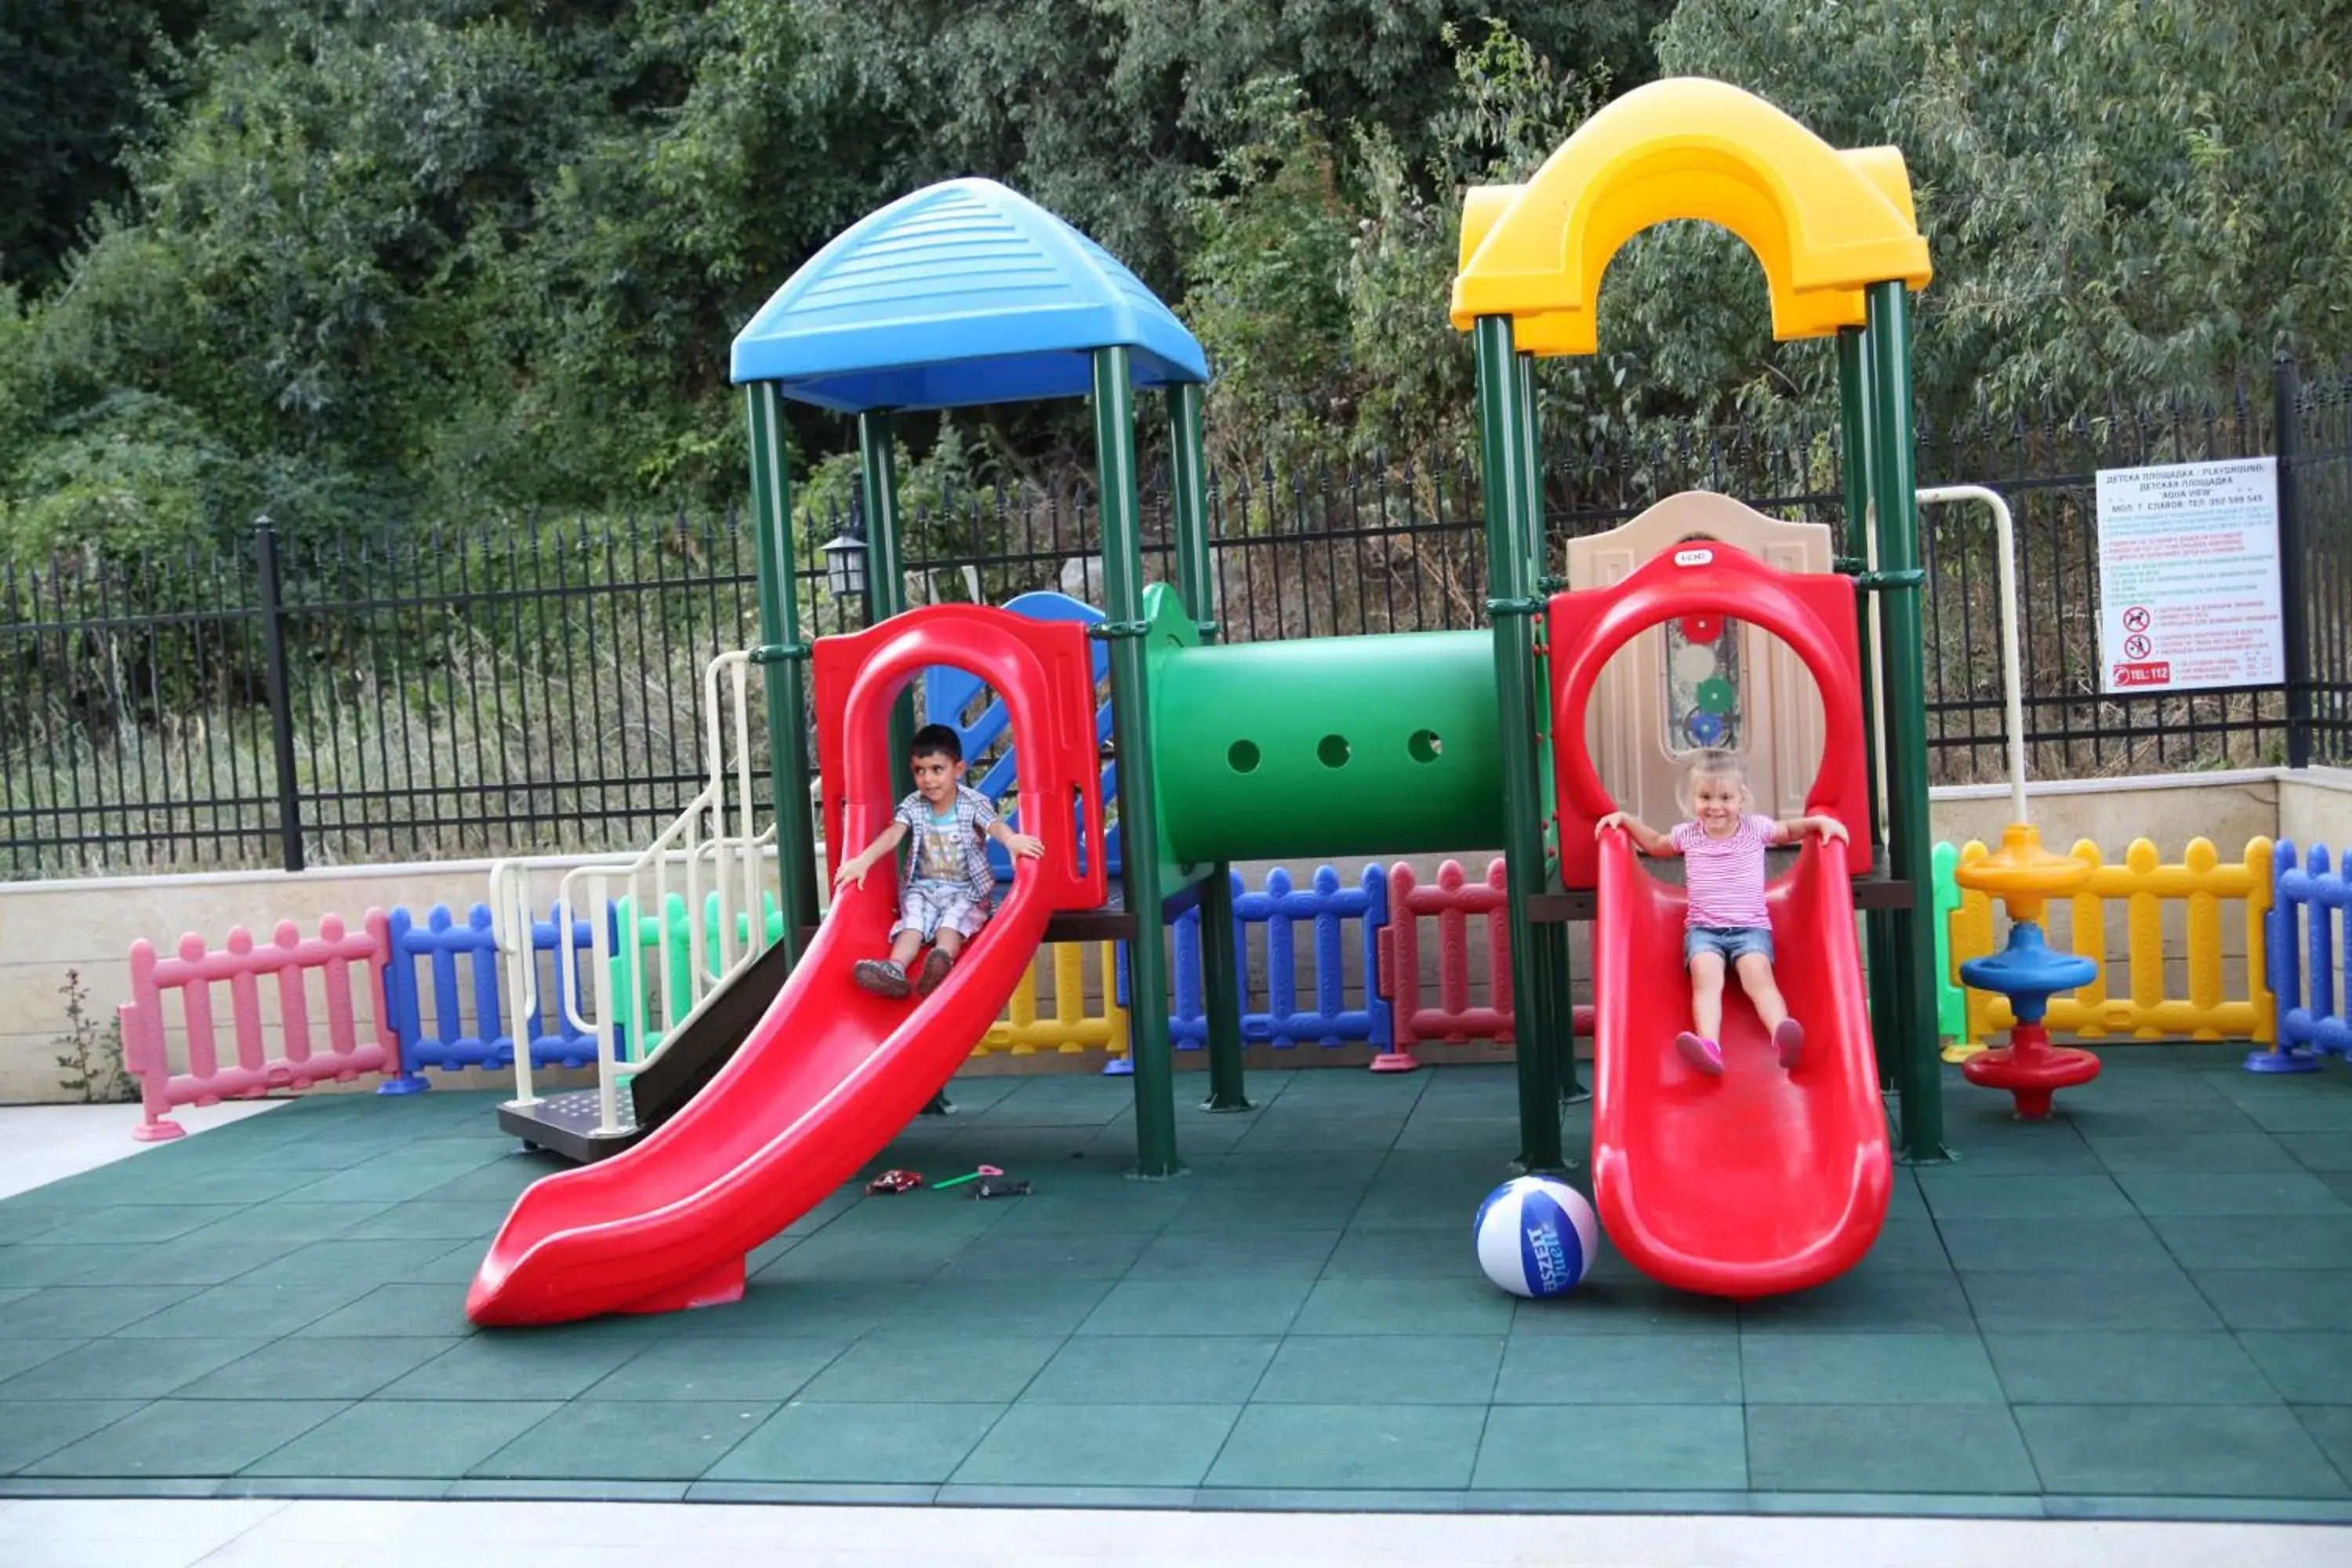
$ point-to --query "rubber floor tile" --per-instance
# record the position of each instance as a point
(1107, 1368)
(1352, 1447)
(1100, 1445)
(1868, 1369)
(2136, 1368)
(2239, 1451)
(611, 1439)
(1689, 1447)
(1620, 1369)
(1886, 1448)
(188, 1437)
(398, 1437)
(1383, 1369)
(905, 1443)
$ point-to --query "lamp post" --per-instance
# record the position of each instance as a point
(844, 560)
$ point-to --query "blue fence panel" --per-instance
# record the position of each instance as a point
(440, 947)
(949, 692)
(1328, 907)
(2310, 942)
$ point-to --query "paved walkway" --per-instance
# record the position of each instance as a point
(275, 1534)
(2138, 1312)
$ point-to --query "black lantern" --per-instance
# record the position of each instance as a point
(845, 561)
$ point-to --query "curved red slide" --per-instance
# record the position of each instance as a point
(830, 1074)
(1762, 1179)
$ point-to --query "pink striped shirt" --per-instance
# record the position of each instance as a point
(1725, 876)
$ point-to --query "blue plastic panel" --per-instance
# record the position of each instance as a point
(962, 293)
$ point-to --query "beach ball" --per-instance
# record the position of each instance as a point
(1537, 1236)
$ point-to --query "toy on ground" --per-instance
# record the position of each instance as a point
(1537, 1236)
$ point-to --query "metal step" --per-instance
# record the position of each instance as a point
(566, 1123)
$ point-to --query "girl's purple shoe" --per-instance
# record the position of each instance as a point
(1701, 1053)
(1789, 1039)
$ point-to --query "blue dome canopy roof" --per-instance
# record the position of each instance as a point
(960, 293)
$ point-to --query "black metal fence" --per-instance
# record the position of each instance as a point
(444, 694)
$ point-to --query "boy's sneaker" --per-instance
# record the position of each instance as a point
(1789, 1039)
(881, 976)
(1700, 1052)
(935, 972)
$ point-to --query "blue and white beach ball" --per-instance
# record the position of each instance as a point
(1537, 1236)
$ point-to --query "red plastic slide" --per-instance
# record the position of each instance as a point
(1762, 1179)
(830, 1074)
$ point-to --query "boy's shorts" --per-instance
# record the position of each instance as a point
(1731, 944)
(930, 908)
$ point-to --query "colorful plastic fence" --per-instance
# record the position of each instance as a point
(1951, 998)
(638, 1039)
(348, 963)
(1078, 1022)
(2311, 954)
(1453, 901)
(466, 1027)
(2201, 882)
(1323, 1018)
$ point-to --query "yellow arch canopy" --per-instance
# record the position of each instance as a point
(1825, 224)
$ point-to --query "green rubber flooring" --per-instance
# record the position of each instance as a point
(2142, 1309)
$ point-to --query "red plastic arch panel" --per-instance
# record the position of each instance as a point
(1813, 612)
(858, 676)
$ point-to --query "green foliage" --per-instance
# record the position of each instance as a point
(75, 81)
(355, 264)
(1323, 264)
(89, 1054)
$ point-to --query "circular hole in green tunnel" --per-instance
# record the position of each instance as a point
(1333, 751)
(1425, 745)
(1241, 756)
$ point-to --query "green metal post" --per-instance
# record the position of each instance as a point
(1195, 579)
(1513, 605)
(1138, 825)
(786, 667)
(1910, 838)
(886, 596)
(1554, 976)
(1853, 418)
(886, 562)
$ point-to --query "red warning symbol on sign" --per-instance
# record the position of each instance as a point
(2136, 619)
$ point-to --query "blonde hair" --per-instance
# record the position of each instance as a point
(1715, 762)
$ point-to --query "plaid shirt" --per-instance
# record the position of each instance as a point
(965, 837)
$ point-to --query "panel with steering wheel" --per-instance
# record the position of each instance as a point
(1810, 612)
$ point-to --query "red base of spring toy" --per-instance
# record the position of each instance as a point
(2030, 1069)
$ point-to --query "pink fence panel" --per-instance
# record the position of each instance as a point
(1453, 901)
(308, 1054)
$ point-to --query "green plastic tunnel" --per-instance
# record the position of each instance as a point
(1328, 746)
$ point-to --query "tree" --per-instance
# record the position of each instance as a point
(73, 94)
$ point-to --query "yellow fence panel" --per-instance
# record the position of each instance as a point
(1084, 1017)
(2144, 885)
